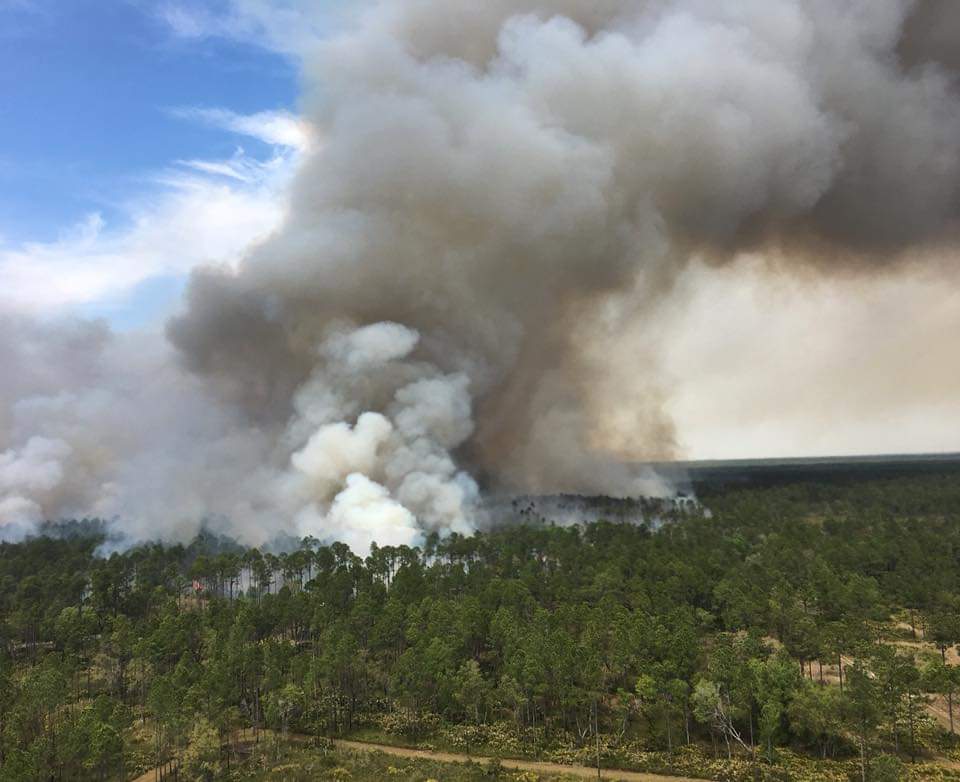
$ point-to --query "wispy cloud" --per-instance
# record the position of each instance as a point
(289, 27)
(195, 212)
(280, 128)
(187, 22)
(238, 167)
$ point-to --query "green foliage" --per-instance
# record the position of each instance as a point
(698, 643)
(407, 723)
(816, 715)
(200, 759)
(885, 768)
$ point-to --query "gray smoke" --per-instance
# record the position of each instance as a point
(499, 189)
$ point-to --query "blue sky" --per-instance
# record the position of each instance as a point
(139, 139)
(85, 92)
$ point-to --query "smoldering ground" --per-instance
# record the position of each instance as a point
(482, 251)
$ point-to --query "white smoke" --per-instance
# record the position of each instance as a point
(361, 513)
(396, 463)
(28, 478)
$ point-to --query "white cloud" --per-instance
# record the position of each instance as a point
(186, 22)
(227, 168)
(290, 27)
(197, 212)
(280, 128)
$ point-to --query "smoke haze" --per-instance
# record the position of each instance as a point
(487, 257)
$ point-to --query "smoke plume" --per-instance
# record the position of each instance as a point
(498, 192)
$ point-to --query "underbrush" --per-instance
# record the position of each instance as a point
(301, 764)
(505, 740)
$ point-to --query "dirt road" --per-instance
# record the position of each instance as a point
(581, 772)
(557, 769)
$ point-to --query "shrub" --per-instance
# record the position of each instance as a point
(885, 768)
(407, 723)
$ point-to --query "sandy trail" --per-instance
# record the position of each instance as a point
(582, 772)
(556, 769)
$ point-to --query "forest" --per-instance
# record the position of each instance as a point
(803, 630)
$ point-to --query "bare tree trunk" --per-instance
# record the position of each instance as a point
(596, 730)
(913, 737)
